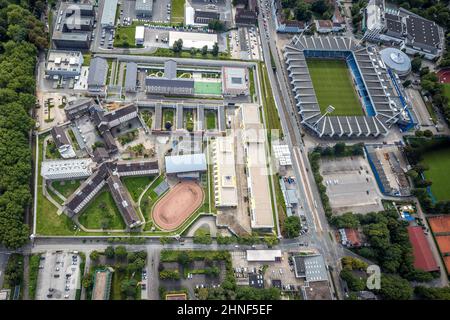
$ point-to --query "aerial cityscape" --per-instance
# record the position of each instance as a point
(225, 150)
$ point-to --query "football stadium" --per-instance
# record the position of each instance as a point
(343, 89)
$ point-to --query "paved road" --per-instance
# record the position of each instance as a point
(320, 235)
(3, 261)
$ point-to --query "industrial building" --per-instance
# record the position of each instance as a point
(62, 143)
(195, 40)
(254, 140)
(413, 33)
(310, 267)
(186, 166)
(66, 169)
(139, 35)
(264, 255)
(131, 77)
(225, 189)
(73, 27)
(235, 81)
(144, 8)
(65, 64)
(98, 70)
(170, 84)
(108, 19)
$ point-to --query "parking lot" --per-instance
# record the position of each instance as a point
(59, 276)
(351, 185)
(279, 270)
(244, 44)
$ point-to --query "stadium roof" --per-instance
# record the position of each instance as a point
(186, 163)
(423, 257)
(263, 255)
(383, 108)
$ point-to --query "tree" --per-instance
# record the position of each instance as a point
(202, 236)
(205, 50)
(94, 255)
(128, 287)
(354, 283)
(407, 83)
(428, 133)
(193, 51)
(216, 25)
(394, 287)
(165, 240)
(120, 252)
(346, 220)
(215, 49)
(270, 240)
(292, 226)
(178, 45)
(339, 149)
(87, 281)
(416, 64)
(184, 259)
(303, 11)
(109, 252)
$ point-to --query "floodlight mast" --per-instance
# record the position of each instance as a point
(329, 110)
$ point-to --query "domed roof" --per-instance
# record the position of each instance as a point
(396, 60)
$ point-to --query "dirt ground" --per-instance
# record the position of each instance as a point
(175, 207)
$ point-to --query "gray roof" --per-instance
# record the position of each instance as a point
(422, 32)
(59, 137)
(71, 36)
(131, 76)
(144, 5)
(97, 72)
(174, 83)
(122, 200)
(170, 69)
(311, 267)
(186, 163)
(109, 12)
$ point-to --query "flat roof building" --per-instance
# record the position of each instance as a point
(253, 137)
(66, 64)
(235, 81)
(186, 164)
(225, 189)
(71, 40)
(139, 35)
(108, 19)
(245, 16)
(66, 169)
(98, 70)
(144, 8)
(131, 76)
(203, 17)
(423, 256)
(193, 39)
(310, 267)
(263, 255)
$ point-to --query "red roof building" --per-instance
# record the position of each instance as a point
(423, 257)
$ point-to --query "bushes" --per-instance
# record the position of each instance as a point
(292, 226)
(33, 275)
(202, 236)
(169, 274)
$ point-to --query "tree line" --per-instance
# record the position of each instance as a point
(21, 36)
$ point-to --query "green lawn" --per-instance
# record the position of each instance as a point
(447, 90)
(102, 208)
(168, 115)
(136, 185)
(125, 37)
(66, 187)
(439, 162)
(210, 120)
(203, 87)
(333, 86)
(177, 14)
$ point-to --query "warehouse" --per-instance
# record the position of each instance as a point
(98, 70)
(131, 77)
(195, 40)
(144, 8)
(108, 19)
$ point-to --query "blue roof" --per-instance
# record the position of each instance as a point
(186, 163)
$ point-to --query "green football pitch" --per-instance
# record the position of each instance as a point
(333, 86)
(438, 162)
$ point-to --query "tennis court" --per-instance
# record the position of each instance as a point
(439, 224)
(333, 86)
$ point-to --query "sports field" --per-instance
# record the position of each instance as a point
(439, 162)
(447, 90)
(333, 86)
(204, 87)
